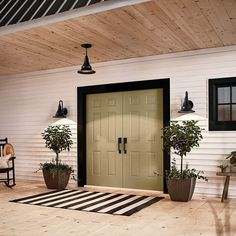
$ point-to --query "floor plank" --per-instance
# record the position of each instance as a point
(201, 216)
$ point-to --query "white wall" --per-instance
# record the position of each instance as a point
(28, 102)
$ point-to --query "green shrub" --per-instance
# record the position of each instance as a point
(182, 138)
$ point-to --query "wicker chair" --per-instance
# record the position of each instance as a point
(9, 171)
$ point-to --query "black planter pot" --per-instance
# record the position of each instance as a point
(56, 180)
(181, 189)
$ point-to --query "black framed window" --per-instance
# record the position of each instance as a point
(222, 104)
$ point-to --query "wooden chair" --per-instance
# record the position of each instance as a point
(9, 172)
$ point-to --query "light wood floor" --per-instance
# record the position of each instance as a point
(201, 216)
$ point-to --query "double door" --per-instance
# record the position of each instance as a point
(124, 145)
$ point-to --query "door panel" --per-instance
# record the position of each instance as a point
(104, 125)
(142, 123)
(96, 166)
(137, 116)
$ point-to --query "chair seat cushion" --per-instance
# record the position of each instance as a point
(4, 161)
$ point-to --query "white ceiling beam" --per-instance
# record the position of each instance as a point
(79, 12)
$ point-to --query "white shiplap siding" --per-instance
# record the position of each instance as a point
(27, 107)
(28, 102)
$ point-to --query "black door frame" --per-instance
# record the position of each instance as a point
(118, 87)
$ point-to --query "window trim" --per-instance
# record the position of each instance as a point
(214, 124)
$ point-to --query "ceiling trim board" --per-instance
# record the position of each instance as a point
(79, 12)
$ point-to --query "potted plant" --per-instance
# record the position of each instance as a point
(232, 160)
(56, 174)
(223, 167)
(182, 138)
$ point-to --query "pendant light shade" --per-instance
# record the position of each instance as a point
(187, 105)
(86, 68)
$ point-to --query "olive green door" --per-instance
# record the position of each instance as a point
(124, 146)
(104, 126)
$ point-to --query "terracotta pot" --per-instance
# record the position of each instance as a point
(181, 189)
(56, 180)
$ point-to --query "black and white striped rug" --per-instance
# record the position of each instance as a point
(110, 203)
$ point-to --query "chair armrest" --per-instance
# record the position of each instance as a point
(12, 158)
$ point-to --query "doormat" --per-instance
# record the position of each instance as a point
(109, 203)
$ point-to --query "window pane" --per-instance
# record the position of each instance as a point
(233, 112)
(234, 94)
(223, 95)
(223, 112)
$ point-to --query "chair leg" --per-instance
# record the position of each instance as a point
(13, 173)
(7, 183)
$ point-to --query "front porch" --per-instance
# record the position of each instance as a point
(201, 216)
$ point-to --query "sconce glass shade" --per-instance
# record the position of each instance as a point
(64, 121)
(86, 68)
(187, 105)
(61, 111)
(189, 116)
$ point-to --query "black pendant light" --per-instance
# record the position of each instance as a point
(86, 67)
(61, 111)
(187, 105)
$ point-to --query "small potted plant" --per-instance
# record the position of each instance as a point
(182, 138)
(56, 174)
(232, 159)
(222, 167)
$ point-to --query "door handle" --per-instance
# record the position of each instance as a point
(124, 145)
(119, 145)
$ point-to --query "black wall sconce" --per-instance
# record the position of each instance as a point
(86, 67)
(61, 111)
(187, 105)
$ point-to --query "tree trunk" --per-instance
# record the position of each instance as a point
(57, 158)
(181, 165)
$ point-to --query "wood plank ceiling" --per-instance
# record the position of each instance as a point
(151, 28)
